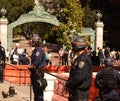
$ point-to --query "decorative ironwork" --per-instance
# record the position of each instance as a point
(37, 15)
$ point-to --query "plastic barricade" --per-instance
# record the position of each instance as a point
(61, 92)
(18, 74)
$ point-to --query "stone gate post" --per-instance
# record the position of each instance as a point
(99, 34)
(3, 32)
(3, 28)
(99, 31)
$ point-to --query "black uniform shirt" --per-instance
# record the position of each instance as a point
(38, 57)
(81, 73)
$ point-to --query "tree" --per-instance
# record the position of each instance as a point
(16, 7)
(72, 22)
(88, 17)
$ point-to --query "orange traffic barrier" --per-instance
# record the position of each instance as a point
(17, 74)
(53, 68)
(61, 92)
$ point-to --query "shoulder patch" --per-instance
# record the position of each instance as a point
(37, 53)
(81, 64)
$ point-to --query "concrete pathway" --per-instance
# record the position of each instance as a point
(23, 92)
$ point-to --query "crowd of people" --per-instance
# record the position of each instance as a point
(20, 56)
(17, 56)
(97, 56)
(100, 55)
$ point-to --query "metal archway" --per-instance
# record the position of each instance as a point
(37, 15)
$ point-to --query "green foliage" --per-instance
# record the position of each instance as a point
(72, 21)
(16, 7)
(88, 17)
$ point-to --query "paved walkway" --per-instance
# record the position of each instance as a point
(23, 92)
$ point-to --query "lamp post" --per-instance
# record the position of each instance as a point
(3, 12)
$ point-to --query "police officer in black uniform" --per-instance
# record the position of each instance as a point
(2, 62)
(80, 77)
(38, 61)
(108, 82)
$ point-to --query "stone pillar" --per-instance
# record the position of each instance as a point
(3, 32)
(99, 34)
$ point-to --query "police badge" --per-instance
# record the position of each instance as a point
(81, 64)
(37, 53)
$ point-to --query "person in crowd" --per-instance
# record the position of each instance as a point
(101, 57)
(107, 52)
(97, 51)
(12, 52)
(25, 52)
(20, 51)
(113, 56)
(112, 53)
(69, 57)
(80, 76)
(2, 62)
(49, 59)
(118, 58)
(95, 59)
(24, 60)
(17, 44)
(7, 55)
(65, 58)
(30, 42)
(15, 60)
(108, 82)
(48, 56)
(117, 55)
(61, 52)
(38, 61)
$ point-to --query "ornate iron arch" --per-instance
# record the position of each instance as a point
(37, 15)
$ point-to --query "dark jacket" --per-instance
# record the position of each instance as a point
(38, 57)
(80, 73)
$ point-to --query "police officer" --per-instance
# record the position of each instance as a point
(38, 61)
(80, 77)
(2, 62)
(107, 81)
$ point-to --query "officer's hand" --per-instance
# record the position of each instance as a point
(32, 67)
